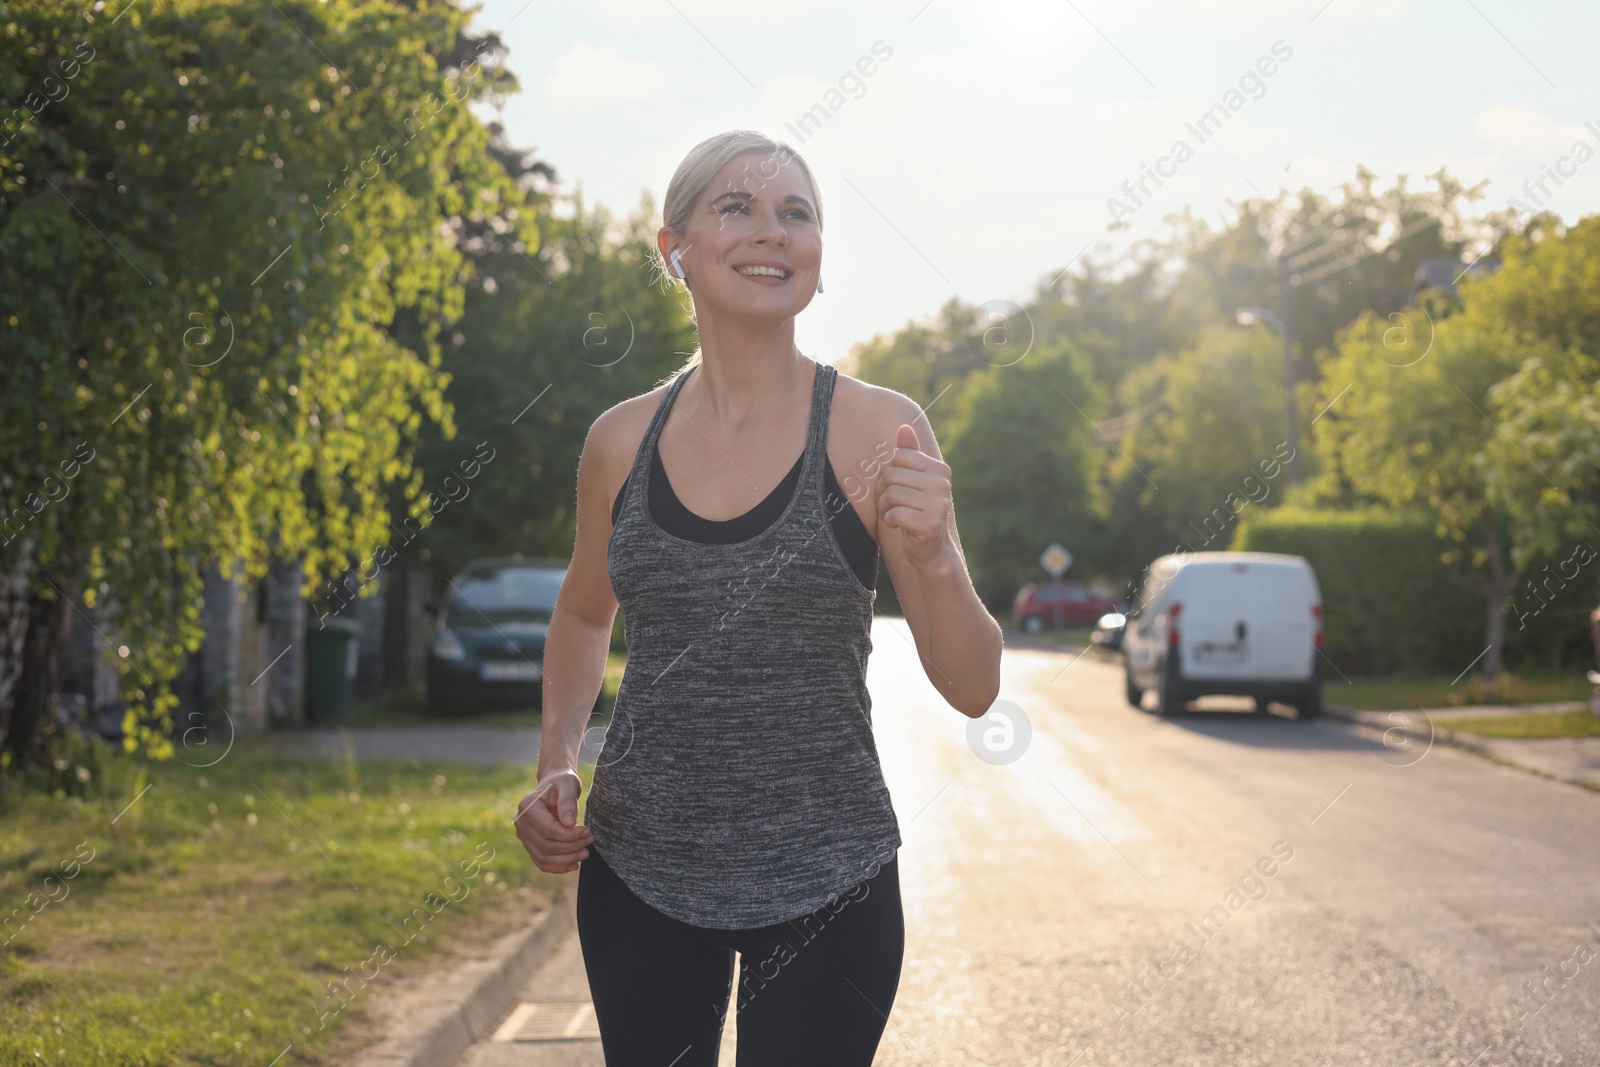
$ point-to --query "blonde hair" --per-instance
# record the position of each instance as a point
(694, 174)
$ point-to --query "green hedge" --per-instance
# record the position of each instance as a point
(1390, 606)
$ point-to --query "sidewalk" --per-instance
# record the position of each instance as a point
(434, 1023)
(481, 745)
(550, 1023)
(1575, 760)
(476, 745)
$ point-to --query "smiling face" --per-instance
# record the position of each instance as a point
(753, 247)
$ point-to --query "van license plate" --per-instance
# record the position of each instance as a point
(1220, 653)
(513, 670)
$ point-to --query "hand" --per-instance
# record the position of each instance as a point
(914, 498)
(547, 824)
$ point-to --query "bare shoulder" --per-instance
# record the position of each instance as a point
(615, 436)
(867, 416)
(861, 439)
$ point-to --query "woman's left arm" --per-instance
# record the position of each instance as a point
(957, 639)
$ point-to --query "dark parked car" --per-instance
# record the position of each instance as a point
(1594, 675)
(489, 645)
(1043, 605)
(1109, 628)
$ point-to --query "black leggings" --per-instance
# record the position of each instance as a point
(812, 992)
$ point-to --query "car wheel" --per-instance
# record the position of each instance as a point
(1310, 705)
(1169, 693)
(1033, 624)
(1134, 694)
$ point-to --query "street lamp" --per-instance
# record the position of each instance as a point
(1251, 317)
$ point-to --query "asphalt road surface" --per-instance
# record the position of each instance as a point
(1218, 888)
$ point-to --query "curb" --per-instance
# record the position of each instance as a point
(1381, 720)
(472, 1000)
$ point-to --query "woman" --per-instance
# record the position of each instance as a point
(738, 804)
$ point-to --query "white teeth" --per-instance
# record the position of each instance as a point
(772, 272)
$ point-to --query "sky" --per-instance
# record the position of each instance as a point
(981, 155)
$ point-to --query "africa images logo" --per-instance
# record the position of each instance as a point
(1206, 126)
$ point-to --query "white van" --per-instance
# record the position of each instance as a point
(1227, 623)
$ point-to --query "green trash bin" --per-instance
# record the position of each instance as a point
(331, 656)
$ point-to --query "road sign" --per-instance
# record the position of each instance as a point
(1055, 560)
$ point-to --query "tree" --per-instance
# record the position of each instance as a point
(1317, 259)
(1411, 428)
(1211, 445)
(1544, 465)
(1545, 462)
(1352, 250)
(546, 345)
(1118, 315)
(1021, 446)
(922, 359)
(229, 243)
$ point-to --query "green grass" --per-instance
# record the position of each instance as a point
(1382, 694)
(206, 924)
(1531, 725)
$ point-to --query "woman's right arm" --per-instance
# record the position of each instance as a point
(576, 647)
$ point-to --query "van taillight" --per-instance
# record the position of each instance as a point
(1172, 623)
(1316, 613)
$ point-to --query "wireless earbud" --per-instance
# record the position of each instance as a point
(677, 263)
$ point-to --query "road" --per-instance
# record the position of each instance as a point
(1101, 898)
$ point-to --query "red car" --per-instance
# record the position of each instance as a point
(1042, 605)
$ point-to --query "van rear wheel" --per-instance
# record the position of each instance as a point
(1169, 692)
(1310, 705)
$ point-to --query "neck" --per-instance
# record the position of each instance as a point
(748, 371)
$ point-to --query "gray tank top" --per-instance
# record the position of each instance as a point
(739, 783)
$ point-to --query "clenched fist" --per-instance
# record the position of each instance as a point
(914, 498)
(547, 824)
